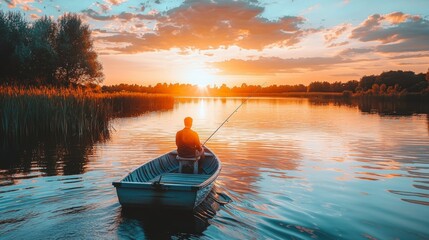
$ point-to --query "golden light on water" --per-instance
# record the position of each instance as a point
(202, 109)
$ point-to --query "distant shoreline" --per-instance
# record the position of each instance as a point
(320, 95)
(287, 94)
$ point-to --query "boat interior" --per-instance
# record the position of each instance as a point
(165, 170)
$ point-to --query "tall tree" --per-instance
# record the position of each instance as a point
(77, 60)
(44, 56)
(366, 82)
(14, 47)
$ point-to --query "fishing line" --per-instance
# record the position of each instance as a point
(226, 120)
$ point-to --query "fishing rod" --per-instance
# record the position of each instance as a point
(226, 120)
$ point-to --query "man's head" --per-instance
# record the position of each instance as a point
(188, 122)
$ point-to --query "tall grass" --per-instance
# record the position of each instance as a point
(51, 112)
(127, 104)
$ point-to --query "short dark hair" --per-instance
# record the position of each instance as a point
(188, 122)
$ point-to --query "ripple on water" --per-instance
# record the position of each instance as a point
(292, 168)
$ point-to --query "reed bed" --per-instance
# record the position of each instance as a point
(60, 113)
(127, 104)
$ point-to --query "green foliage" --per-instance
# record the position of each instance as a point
(366, 82)
(47, 52)
(333, 87)
(77, 60)
(43, 45)
(407, 80)
(14, 46)
(319, 87)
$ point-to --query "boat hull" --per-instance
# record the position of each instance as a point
(137, 197)
(147, 187)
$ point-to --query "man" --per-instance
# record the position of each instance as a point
(188, 142)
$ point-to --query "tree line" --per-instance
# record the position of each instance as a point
(189, 89)
(392, 82)
(47, 52)
(385, 82)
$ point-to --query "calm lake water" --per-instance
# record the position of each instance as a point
(292, 168)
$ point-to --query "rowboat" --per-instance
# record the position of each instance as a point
(162, 182)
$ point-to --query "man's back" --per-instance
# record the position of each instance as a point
(187, 142)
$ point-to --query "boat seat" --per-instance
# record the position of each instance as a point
(187, 158)
(207, 154)
(182, 178)
(186, 161)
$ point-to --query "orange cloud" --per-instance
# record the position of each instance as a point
(27, 7)
(334, 33)
(34, 16)
(274, 65)
(399, 17)
(14, 3)
(349, 52)
(116, 2)
(208, 25)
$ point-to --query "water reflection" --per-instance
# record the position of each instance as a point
(48, 157)
(241, 178)
(388, 160)
(380, 106)
(294, 168)
(167, 223)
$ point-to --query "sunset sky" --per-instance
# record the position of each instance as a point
(232, 42)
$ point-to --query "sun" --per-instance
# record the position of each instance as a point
(200, 77)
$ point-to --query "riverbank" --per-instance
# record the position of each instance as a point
(320, 95)
(285, 94)
(68, 112)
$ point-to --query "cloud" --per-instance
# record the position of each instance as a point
(415, 44)
(334, 33)
(103, 7)
(338, 44)
(345, 75)
(365, 31)
(399, 17)
(24, 3)
(27, 7)
(140, 8)
(311, 8)
(424, 55)
(122, 16)
(96, 16)
(397, 32)
(275, 65)
(115, 2)
(349, 52)
(34, 16)
(209, 24)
